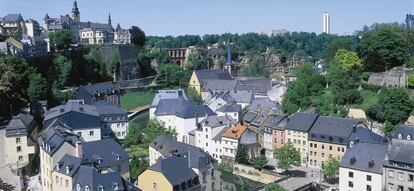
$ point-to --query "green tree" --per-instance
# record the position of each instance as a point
(394, 106)
(241, 155)
(375, 112)
(114, 65)
(198, 60)
(63, 70)
(411, 81)
(331, 167)
(259, 162)
(6, 87)
(347, 60)
(61, 39)
(256, 68)
(172, 75)
(38, 87)
(348, 97)
(410, 62)
(383, 48)
(137, 166)
(154, 129)
(389, 128)
(137, 36)
(287, 156)
(245, 187)
(193, 96)
(308, 84)
(346, 43)
(274, 187)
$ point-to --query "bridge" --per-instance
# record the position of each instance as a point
(136, 83)
(138, 110)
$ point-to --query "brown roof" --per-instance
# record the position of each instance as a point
(235, 132)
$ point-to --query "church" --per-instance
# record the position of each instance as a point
(88, 32)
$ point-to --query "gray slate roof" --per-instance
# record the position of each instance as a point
(168, 146)
(107, 150)
(182, 108)
(216, 84)
(87, 175)
(168, 94)
(230, 96)
(101, 88)
(229, 108)
(403, 131)
(105, 108)
(260, 109)
(401, 151)
(220, 134)
(70, 162)
(12, 18)
(175, 169)
(76, 115)
(256, 85)
(301, 121)
(19, 124)
(366, 157)
(332, 129)
(55, 135)
(218, 121)
(204, 75)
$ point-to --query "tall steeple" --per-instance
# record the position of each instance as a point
(75, 12)
(227, 66)
(109, 19)
(228, 58)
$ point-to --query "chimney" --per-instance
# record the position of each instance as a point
(180, 93)
(67, 169)
(78, 148)
(57, 166)
(188, 158)
(354, 128)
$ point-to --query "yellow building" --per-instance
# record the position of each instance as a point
(297, 130)
(19, 147)
(200, 76)
(331, 136)
(169, 174)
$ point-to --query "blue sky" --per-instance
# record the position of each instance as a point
(177, 17)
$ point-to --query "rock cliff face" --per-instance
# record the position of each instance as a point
(127, 57)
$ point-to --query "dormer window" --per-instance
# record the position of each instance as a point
(86, 188)
(351, 144)
(400, 136)
(78, 187)
(100, 188)
(408, 137)
(352, 160)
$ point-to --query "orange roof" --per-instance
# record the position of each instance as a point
(235, 132)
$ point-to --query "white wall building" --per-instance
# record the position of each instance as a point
(361, 167)
(181, 116)
(208, 135)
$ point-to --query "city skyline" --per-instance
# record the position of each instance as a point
(163, 17)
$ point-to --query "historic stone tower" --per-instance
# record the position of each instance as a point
(75, 12)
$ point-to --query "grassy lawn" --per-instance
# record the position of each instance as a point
(135, 99)
(369, 98)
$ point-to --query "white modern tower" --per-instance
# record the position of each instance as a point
(326, 23)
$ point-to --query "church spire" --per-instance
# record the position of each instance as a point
(109, 19)
(75, 12)
(228, 59)
(227, 66)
